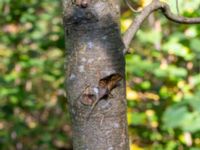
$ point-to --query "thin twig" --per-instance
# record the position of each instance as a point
(130, 6)
(177, 7)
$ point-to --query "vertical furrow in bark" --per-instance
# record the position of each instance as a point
(95, 73)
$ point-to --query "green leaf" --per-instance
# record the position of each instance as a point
(174, 116)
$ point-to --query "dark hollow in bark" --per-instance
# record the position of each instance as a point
(95, 73)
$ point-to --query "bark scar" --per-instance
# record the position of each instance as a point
(106, 85)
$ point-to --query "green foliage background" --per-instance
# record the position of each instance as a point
(163, 79)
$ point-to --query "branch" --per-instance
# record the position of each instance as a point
(134, 27)
(130, 7)
(178, 19)
(154, 6)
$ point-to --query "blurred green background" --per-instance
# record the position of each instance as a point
(163, 79)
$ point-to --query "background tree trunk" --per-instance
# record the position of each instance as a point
(95, 72)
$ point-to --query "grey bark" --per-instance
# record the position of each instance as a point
(95, 74)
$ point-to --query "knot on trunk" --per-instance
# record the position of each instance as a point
(82, 3)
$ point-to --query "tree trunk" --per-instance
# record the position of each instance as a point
(95, 75)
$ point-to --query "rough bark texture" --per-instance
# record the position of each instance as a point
(95, 73)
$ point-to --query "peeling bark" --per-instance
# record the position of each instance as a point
(95, 75)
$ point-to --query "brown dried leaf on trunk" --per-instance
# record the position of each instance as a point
(110, 82)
